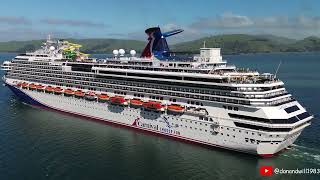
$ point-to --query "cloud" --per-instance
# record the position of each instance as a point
(294, 27)
(23, 34)
(188, 34)
(119, 35)
(70, 22)
(227, 20)
(14, 20)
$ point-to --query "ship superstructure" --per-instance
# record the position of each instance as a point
(200, 99)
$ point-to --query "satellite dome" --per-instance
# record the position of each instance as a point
(52, 48)
(133, 52)
(122, 52)
(115, 52)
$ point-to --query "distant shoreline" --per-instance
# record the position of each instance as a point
(230, 44)
(231, 54)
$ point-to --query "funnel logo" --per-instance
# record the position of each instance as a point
(266, 170)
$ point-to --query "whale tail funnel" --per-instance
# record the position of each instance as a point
(157, 44)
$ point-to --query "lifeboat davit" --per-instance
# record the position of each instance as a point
(175, 108)
(40, 87)
(24, 85)
(153, 105)
(32, 86)
(91, 96)
(49, 89)
(118, 100)
(58, 90)
(103, 97)
(136, 102)
(19, 84)
(68, 92)
(79, 93)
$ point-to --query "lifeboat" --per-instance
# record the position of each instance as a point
(58, 90)
(19, 84)
(39, 87)
(68, 92)
(24, 85)
(153, 105)
(118, 100)
(49, 89)
(103, 97)
(79, 94)
(136, 102)
(32, 86)
(175, 108)
(91, 96)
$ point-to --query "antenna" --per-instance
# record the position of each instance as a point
(204, 44)
(275, 74)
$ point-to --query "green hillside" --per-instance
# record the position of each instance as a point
(242, 43)
(88, 45)
(277, 39)
(311, 43)
(230, 44)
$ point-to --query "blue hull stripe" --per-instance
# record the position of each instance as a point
(24, 97)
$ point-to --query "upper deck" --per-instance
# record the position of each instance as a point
(208, 66)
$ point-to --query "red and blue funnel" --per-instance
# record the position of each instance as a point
(157, 44)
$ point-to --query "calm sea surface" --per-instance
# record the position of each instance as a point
(37, 144)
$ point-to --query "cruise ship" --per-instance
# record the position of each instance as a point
(199, 99)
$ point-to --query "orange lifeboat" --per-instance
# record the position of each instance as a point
(24, 85)
(91, 96)
(19, 84)
(49, 89)
(58, 90)
(32, 86)
(118, 100)
(79, 93)
(68, 92)
(153, 105)
(103, 97)
(136, 102)
(39, 87)
(175, 108)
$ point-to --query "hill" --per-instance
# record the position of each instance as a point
(277, 39)
(88, 45)
(311, 43)
(242, 43)
(230, 44)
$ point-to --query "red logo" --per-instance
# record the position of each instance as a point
(266, 170)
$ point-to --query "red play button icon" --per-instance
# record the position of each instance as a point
(266, 170)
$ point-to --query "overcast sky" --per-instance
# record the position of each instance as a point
(127, 19)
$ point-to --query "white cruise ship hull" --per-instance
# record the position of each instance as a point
(182, 127)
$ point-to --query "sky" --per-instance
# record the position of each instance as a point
(127, 19)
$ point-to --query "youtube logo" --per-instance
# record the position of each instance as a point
(266, 170)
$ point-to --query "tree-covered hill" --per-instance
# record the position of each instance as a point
(230, 44)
